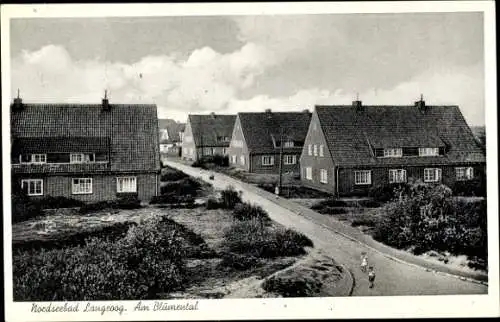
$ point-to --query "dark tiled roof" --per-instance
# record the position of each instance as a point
(350, 133)
(260, 129)
(60, 144)
(206, 129)
(132, 129)
(174, 130)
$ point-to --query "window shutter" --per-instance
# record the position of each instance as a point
(470, 173)
(438, 174)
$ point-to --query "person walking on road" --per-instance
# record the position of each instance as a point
(371, 276)
(364, 262)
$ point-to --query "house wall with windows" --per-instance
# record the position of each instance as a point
(188, 151)
(269, 163)
(102, 187)
(238, 150)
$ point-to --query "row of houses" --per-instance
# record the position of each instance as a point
(95, 152)
(346, 149)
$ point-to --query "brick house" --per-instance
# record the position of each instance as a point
(349, 149)
(89, 152)
(206, 135)
(256, 140)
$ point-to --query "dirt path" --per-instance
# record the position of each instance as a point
(393, 277)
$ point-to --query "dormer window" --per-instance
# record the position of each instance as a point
(393, 153)
(427, 152)
(81, 157)
(33, 158)
(288, 144)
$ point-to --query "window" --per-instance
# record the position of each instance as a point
(233, 159)
(34, 158)
(32, 187)
(393, 153)
(290, 159)
(237, 143)
(224, 151)
(432, 175)
(321, 151)
(464, 173)
(242, 160)
(426, 152)
(288, 144)
(81, 158)
(267, 160)
(309, 173)
(81, 186)
(310, 150)
(323, 176)
(126, 184)
(397, 175)
(363, 177)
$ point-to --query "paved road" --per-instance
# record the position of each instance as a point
(393, 278)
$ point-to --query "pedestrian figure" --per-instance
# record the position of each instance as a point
(371, 276)
(364, 262)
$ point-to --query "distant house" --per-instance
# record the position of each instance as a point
(257, 138)
(171, 138)
(206, 135)
(90, 152)
(349, 149)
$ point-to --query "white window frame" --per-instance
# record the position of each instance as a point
(32, 181)
(84, 157)
(288, 144)
(428, 152)
(33, 156)
(393, 153)
(362, 177)
(309, 149)
(271, 160)
(435, 177)
(309, 172)
(130, 187)
(75, 187)
(321, 150)
(323, 176)
(242, 160)
(287, 160)
(224, 151)
(234, 159)
(464, 173)
(315, 150)
(397, 175)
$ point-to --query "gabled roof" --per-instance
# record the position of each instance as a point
(173, 131)
(263, 129)
(130, 131)
(209, 128)
(352, 134)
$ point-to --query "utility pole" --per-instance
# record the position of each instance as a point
(280, 162)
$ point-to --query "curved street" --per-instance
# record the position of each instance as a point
(392, 277)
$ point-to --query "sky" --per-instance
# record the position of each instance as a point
(228, 64)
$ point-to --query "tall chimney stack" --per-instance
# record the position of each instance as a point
(357, 104)
(421, 104)
(18, 102)
(105, 101)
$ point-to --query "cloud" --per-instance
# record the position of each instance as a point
(205, 81)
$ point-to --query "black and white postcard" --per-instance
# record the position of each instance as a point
(249, 161)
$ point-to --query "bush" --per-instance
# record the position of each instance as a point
(290, 236)
(246, 211)
(329, 203)
(238, 262)
(429, 218)
(387, 192)
(470, 188)
(293, 286)
(23, 208)
(213, 203)
(230, 198)
(252, 237)
(170, 174)
(172, 198)
(123, 202)
(146, 262)
(186, 186)
(209, 161)
(58, 202)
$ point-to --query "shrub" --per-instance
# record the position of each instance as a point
(172, 198)
(230, 198)
(211, 160)
(470, 188)
(58, 202)
(329, 203)
(290, 236)
(387, 192)
(146, 262)
(246, 211)
(252, 237)
(170, 174)
(186, 186)
(293, 286)
(238, 261)
(213, 203)
(429, 218)
(122, 202)
(23, 208)
(364, 221)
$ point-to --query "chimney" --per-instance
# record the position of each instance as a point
(306, 111)
(18, 102)
(268, 113)
(212, 115)
(105, 102)
(357, 105)
(421, 104)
